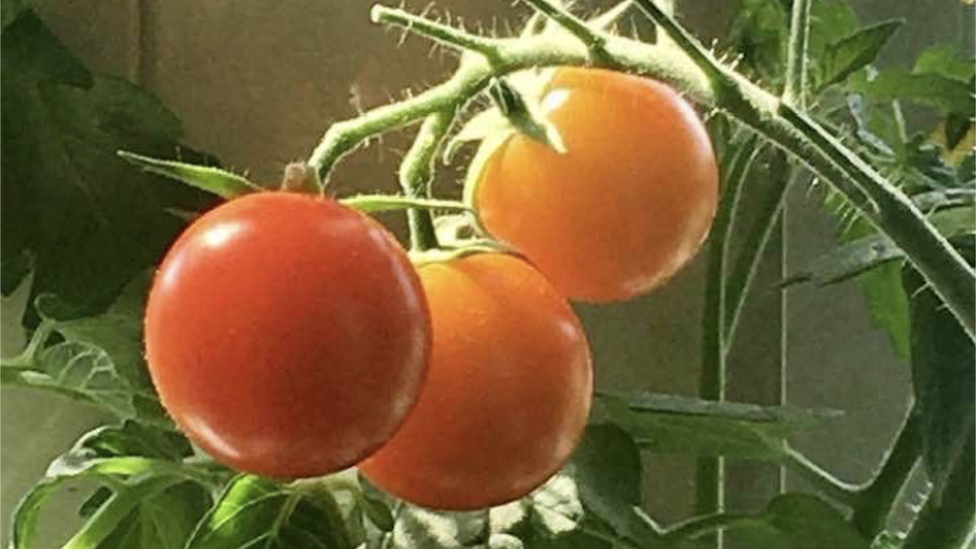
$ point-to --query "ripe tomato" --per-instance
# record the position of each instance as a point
(287, 335)
(507, 395)
(629, 203)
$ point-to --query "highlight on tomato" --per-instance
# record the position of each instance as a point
(628, 204)
(287, 335)
(507, 395)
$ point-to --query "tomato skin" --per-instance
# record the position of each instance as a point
(626, 207)
(508, 392)
(287, 335)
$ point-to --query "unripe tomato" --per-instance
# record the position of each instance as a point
(507, 395)
(287, 335)
(629, 203)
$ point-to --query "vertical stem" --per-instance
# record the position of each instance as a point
(709, 473)
(796, 61)
(416, 172)
(874, 503)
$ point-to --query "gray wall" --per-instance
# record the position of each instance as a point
(258, 82)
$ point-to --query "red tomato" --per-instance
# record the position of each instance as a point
(287, 335)
(507, 395)
(626, 207)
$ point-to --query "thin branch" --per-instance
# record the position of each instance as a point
(439, 32)
(593, 39)
(416, 172)
(796, 88)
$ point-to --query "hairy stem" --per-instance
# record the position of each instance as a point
(689, 66)
(876, 500)
(593, 40)
(795, 91)
(416, 172)
(440, 33)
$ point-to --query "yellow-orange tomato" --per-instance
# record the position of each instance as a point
(629, 203)
(507, 394)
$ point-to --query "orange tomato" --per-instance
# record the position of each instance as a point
(507, 394)
(626, 207)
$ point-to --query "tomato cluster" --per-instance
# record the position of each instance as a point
(292, 337)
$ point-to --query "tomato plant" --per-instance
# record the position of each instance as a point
(287, 335)
(625, 207)
(509, 376)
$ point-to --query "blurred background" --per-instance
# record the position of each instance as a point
(256, 83)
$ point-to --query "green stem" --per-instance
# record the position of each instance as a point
(876, 500)
(709, 472)
(440, 33)
(392, 202)
(949, 522)
(593, 39)
(827, 484)
(795, 91)
(695, 71)
(768, 206)
(416, 172)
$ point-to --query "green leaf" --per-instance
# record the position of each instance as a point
(943, 379)
(85, 462)
(757, 35)
(89, 220)
(134, 439)
(957, 126)
(11, 10)
(797, 521)
(607, 468)
(211, 179)
(867, 253)
(161, 519)
(97, 359)
(888, 302)
(830, 22)
(675, 424)
(14, 271)
(118, 332)
(854, 52)
(258, 512)
(942, 59)
(934, 90)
